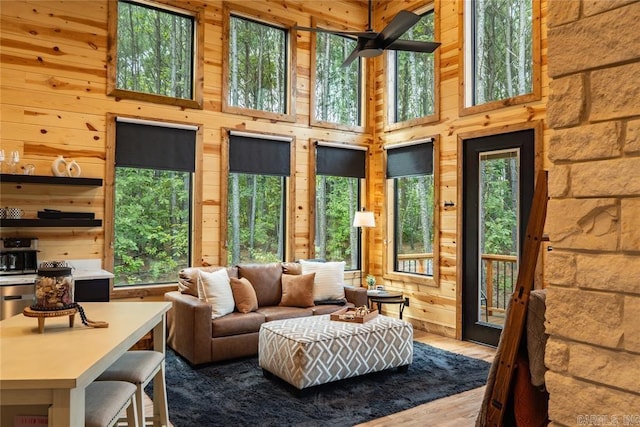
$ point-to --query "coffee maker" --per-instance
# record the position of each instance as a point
(18, 255)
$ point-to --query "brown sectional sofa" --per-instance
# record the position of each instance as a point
(199, 339)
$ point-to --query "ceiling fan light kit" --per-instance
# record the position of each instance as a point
(371, 43)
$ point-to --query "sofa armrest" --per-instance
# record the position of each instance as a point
(189, 327)
(357, 296)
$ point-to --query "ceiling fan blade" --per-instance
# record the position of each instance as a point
(414, 46)
(363, 34)
(353, 55)
(397, 27)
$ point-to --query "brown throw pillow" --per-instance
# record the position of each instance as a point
(297, 290)
(244, 295)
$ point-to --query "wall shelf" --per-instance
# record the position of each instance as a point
(51, 180)
(50, 222)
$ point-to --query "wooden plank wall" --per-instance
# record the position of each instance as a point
(53, 102)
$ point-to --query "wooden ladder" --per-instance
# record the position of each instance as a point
(514, 323)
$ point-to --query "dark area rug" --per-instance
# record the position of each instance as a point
(237, 394)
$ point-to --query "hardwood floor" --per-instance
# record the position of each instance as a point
(453, 411)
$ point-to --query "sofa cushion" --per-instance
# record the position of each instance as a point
(244, 295)
(297, 290)
(266, 280)
(279, 313)
(188, 278)
(236, 323)
(214, 288)
(329, 279)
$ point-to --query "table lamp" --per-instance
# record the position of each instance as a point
(363, 219)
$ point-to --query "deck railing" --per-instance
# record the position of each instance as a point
(499, 274)
(421, 263)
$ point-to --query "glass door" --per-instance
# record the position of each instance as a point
(498, 188)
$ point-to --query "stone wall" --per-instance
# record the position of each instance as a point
(593, 219)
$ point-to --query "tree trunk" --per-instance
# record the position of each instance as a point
(353, 231)
(508, 52)
(426, 214)
(524, 23)
(480, 54)
(235, 219)
(252, 214)
(321, 217)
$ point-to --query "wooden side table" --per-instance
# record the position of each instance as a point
(384, 297)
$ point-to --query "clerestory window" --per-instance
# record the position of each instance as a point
(155, 52)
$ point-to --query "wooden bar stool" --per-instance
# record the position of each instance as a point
(139, 367)
(105, 400)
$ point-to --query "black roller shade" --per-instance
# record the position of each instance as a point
(259, 156)
(336, 161)
(155, 147)
(410, 160)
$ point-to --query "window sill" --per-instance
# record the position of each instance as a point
(123, 292)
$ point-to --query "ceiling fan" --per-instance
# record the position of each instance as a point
(371, 43)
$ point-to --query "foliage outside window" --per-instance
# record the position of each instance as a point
(500, 34)
(414, 224)
(412, 92)
(412, 200)
(257, 66)
(155, 53)
(499, 190)
(337, 200)
(256, 218)
(152, 217)
(337, 88)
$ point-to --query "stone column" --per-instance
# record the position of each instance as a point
(593, 219)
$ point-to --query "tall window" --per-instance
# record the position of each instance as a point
(410, 178)
(339, 171)
(257, 208)
(154, 53)
(500, 51)
(153, 189)
(337, 89)
(412, 75)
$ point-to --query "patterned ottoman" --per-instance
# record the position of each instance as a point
(316, 350)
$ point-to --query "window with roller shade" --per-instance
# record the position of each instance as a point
(411, 198)
(153, 189)
(256, 198)
(339, 175)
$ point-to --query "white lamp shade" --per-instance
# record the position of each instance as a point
(364, 219)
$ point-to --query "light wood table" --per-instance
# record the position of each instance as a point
(54, 368)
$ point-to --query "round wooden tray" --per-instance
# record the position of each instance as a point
(43, 314)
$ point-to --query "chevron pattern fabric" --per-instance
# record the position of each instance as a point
(316, 350)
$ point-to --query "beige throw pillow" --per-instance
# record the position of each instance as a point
(215, 289)
(329, 281)
(297, 290)
(244, 295)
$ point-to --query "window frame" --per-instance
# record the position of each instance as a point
(465, 70)
(171, 6)
(362, 126)
(137, 291)
(388, 254)
(289, 191)
(362, 198)
(390, 66)
(291, 41)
